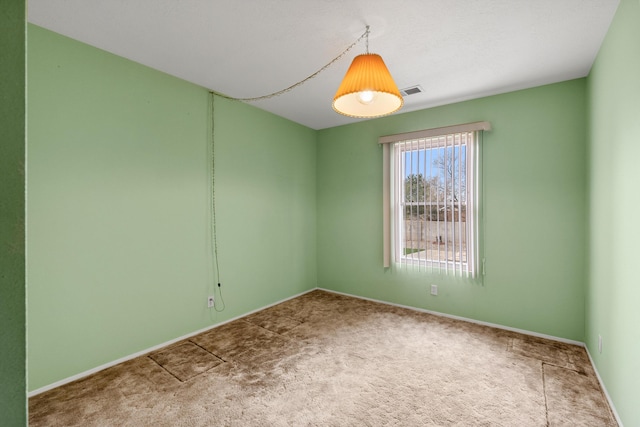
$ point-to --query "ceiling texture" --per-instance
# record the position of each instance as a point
(455, 49)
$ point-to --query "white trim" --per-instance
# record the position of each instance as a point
(459, 137)
(386, 207)
(151, 349)
(507, 328)
(465, 319)
(436, 313)
(427, 133)
(604, 389)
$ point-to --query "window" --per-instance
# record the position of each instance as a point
(431, 194)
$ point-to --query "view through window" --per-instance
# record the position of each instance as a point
(430, 198)
(434, 202)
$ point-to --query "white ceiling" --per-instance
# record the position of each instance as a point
(455, 49)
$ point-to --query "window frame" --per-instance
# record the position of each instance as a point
(392, 210)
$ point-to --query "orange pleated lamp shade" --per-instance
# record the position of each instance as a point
(367, 90)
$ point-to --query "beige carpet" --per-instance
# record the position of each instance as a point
(328, 360)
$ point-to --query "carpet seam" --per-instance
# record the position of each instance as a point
(194, 376)
(544, 392)
(210, 352)
(266, 329)
(600, 390)
(165, 369)
(273, 371)
(277, 333)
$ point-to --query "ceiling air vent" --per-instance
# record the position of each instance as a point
(411, 90)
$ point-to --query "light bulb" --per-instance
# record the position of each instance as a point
(366, 97)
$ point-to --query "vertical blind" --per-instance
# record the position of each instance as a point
(429, 196)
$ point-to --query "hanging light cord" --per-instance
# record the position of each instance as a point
(303, 81)
(214, 233)
(366, 34)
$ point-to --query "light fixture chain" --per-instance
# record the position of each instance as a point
(301, 82)
(367, 34)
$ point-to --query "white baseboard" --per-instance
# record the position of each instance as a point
(494, 325)
(436, 313)
(465, 319)
(151, 349)
(604, 389)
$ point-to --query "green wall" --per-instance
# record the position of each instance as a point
(534, 199)
(12, 257)
(118, 206)
(613, 293)
(119, 255)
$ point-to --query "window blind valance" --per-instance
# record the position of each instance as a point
(427, 133)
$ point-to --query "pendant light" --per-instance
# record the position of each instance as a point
(367, 90)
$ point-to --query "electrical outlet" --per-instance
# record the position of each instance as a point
(599, 343)
(211, 301)
(434, 289)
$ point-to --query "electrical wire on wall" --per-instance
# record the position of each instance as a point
(212, 96)
(214, 233)
(303, 81)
